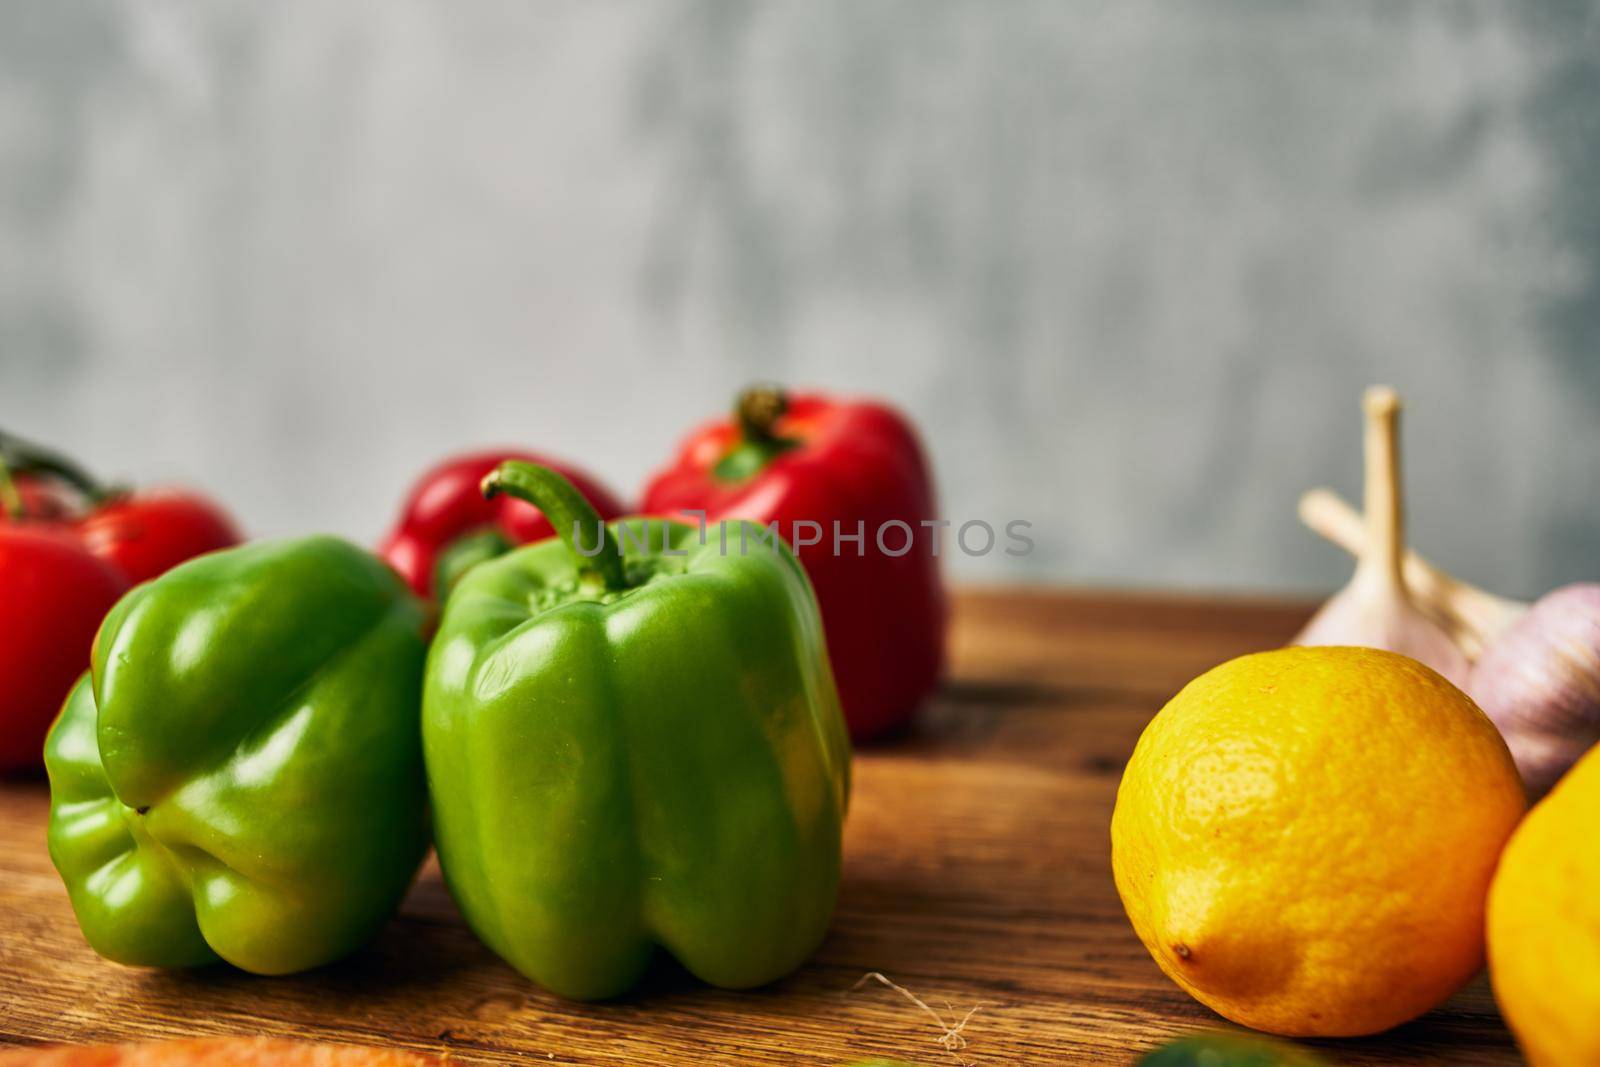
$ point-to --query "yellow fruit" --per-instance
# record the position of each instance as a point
(1544, 924)
(1304, 839)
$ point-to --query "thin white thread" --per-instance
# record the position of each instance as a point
(950, 1039)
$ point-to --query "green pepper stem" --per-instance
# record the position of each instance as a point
(25, 457)
(568, 512)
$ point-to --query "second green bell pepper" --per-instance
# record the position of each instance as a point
(240, 775)
(632, 749)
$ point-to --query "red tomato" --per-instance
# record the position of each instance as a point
(146, 532)
(55, 593)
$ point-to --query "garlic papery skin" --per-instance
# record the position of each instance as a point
(1471, 616)
(1371, 616)
(1375, 610)
(1540, 683)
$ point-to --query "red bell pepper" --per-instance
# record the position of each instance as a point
(446, 525)
(850, 466)
(68, 550)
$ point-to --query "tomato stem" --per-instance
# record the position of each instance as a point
(25, 457)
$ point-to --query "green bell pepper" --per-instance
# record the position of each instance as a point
(240, 774)
(632, 744)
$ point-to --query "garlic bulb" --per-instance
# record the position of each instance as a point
(1375, 610)
(1468, 614)
(1537, 671)
(1540, 682)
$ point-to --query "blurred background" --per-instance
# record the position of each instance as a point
(1128, 264)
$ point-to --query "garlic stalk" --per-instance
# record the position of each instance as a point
(1469, 614)
(1537, 669)
(1375, 610)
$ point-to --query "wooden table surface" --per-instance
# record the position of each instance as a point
(977, 873)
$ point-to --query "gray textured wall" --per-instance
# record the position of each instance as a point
(1128, 262)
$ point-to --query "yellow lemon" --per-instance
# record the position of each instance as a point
(1304, 839)
(1544, 924)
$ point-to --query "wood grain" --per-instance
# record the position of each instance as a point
(977, 873)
